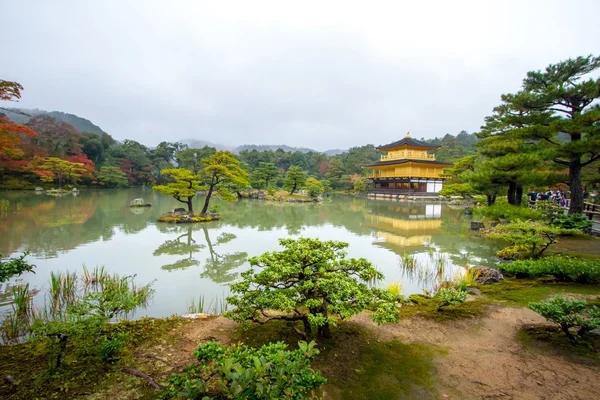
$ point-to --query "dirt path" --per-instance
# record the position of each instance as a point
(486, 361)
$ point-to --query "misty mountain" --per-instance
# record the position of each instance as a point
(198, 144)
(82, 124)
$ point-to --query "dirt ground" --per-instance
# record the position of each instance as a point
(481, 358)
(486, 361)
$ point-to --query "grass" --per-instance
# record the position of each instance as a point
(519, 292)
(429, 307)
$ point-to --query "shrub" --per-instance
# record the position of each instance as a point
(77, 312)
(450, 296)
(572, 221)
(314, 187)
(569, 314)
(310, 281)
(241, 372)
(505, 211)
(526, 239)
(111, 348)
(563, 268)
(14, 267)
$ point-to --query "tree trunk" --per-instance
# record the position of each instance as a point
(491, 199)
(207, 200)
(325, 331)
(575, 186)
(518, 195)
(62, 347)
(510, 196)
(307, 328)
(293, 189)
(190, 205)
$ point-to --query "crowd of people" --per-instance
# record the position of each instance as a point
(560, 197)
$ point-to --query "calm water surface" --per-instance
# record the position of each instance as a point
(97, 228)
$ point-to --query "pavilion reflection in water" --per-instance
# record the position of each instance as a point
(405, 226)
(412, 231)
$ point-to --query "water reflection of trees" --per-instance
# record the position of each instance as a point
(218, 266)
(48, 225)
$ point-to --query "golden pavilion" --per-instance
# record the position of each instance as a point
(408, 167)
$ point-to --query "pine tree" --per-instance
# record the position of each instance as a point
(563, 117)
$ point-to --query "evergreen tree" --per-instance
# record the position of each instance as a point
(221, 172)
(294, 178)
(564, 117)
(183, 186)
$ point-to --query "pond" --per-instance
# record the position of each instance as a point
(97, 228)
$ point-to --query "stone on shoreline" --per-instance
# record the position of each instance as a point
(486, 275)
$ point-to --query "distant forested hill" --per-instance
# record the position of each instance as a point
(198, 144)
(82, 124)
(272, 147)
(454, 147)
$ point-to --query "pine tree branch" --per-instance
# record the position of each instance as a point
(561, 162)
(591, 160)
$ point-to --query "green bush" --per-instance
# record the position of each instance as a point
(14, 267)
(569, 314)
(111, 347)
(526, 239)
(505, 211)
(572, 221)
(450, 296)
(241, 372)
(310, 281)
(563, 268)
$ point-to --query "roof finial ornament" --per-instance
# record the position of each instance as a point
(408, 135)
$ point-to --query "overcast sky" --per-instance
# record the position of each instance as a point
(323, 74)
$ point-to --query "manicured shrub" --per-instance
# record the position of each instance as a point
(505, 211)
(563, 268)
(241, 372)
(310, 281)
(526, 238)
(572, 221)
(450, 296)
(569, 314)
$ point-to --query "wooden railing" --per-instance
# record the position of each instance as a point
(591, 209)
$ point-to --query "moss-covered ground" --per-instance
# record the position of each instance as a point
(32, 365)
(520, 292)
(359, 365)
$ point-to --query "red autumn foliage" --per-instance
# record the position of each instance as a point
(323, 166)
(88, 165)
(10, 91)
(136, 174)
(15, 147)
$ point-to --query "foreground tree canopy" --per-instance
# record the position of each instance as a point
(309, 281)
